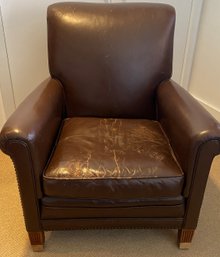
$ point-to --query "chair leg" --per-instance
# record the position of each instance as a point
(37, 240)
(185, 238)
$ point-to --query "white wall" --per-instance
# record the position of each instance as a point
(2, 110)
(6, 89)
(24, 24)
(205, 77)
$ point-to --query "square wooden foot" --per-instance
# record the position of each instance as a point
(185, 238)
(37, 240)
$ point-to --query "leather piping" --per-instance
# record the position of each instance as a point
(26, 147)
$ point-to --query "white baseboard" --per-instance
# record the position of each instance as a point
(214, 111)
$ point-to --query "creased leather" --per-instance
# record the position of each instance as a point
(112, 154)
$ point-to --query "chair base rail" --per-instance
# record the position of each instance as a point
(111, 223)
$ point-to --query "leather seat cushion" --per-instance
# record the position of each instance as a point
(99, 158)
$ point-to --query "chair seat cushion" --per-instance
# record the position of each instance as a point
(98, 158)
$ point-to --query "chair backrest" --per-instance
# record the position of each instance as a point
(110, 57)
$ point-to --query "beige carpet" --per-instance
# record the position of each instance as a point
(106, 243)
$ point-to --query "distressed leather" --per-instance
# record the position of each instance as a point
(112, 158)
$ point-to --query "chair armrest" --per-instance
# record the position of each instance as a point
(29, 134)
(193, 133)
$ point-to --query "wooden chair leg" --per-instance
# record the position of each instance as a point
(185, 238)
(37, 240)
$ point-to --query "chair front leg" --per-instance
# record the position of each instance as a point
(37, 240)
(185, 238)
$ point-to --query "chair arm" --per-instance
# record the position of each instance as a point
(30, 133)
(193, 133)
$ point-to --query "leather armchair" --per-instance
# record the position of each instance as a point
(110, 140)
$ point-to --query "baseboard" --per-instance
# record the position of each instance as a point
(214, 111)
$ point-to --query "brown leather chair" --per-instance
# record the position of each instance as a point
(109, 141)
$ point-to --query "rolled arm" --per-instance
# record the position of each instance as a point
(193, 133)
(29, 134)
